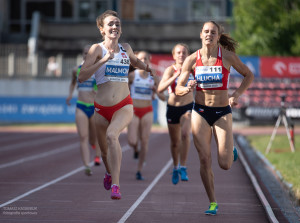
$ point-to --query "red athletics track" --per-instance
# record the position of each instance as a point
(42, 180)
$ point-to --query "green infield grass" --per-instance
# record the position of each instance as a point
(281, 157)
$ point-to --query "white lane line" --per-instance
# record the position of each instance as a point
(35, 142)
(145, 193)
(42, 155)
(124, 149)
(43, 186)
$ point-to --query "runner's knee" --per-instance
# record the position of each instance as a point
(111, 137)
(224, 164)
(175, 144)
(185, 136)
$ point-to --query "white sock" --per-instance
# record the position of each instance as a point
(115, 185)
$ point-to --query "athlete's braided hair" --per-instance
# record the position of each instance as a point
(225, 40)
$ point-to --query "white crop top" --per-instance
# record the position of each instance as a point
(115, 69)
(141, 88)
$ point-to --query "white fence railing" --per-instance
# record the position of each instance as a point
(16, 65)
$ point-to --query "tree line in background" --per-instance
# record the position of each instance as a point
(268, 27)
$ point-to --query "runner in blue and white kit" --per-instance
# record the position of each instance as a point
(84, 115)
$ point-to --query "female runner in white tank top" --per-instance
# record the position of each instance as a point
(142, 90)
(110, 62)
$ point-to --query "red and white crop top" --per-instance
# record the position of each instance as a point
(171, 88)
(214, 77)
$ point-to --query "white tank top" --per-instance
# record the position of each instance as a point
(141, 88)
(115, 69)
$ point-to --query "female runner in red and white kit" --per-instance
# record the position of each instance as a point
(142, 90)
(178, 115)
(212, 109)
(109, 61)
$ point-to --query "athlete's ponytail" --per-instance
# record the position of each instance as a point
(225, 40)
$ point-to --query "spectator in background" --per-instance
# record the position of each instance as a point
(52, 68)
(109, 61)
(212, 113)
(178, 115)
(84, 115)
(142, 90)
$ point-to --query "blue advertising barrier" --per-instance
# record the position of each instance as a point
(252, 62)
(41, 110)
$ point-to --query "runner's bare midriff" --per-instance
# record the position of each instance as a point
(180, 100)
(212, 98)
(86, 96)
(119, 91)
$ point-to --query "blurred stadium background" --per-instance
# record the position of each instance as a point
(32, 31)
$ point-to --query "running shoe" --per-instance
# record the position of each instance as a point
(183, 174)
(235, 154)
(107, 181)
(88, 171)
(115, 192)
(97, 161)
(175, 176)
(212, 210)
(139, 176)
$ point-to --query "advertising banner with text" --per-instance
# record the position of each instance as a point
(42, 110)
(280, 67)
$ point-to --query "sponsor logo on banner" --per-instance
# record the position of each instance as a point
(280, 67)
(34, 109)
(43, 110)
(284, 67)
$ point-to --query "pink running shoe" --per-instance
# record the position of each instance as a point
(107, 181)
(115, 192)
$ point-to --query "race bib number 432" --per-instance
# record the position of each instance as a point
(209, 76)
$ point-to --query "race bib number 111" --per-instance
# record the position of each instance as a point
(209, 76)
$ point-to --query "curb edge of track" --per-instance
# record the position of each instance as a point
(272, 218)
